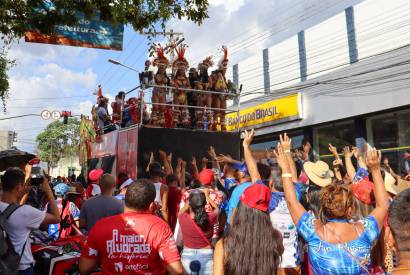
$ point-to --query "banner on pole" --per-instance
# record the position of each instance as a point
(93, 33)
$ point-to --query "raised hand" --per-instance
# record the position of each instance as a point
(333, 150)
(356, 152)
(337, 162)
(169, 158)
(162, 154)
(373, 158)
(347, 152)
(285, 142)
(248, 137)
(224, 159)
(193, 161)
(281, 159)
(212, 152)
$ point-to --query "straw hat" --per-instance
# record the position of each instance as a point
(72, 190)
(390, 184)
(402, 185)
(318, 173)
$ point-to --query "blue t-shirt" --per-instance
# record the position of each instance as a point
(235, 197)
(328, 258)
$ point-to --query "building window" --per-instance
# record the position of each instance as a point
(390, 133)
(338, 134)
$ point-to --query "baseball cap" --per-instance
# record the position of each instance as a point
(241, 167)
(95, 174)
(206, 176)
(126, 184)
(257, 196)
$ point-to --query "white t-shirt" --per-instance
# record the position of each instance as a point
(19, 225)
(158, 198)
(282, 221)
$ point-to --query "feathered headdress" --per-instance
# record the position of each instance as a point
(223, 62)
(208, 62)
(161, 58)
(180, 61)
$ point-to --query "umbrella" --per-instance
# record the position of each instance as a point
(14, 158)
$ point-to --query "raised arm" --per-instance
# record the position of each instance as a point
(358, 155)
(151, 160)
(351, 172)
(166, 161)
(250, 161)
(195, 167)
(182, 178)
(212, 154)
(382, 201)
(286, 145)
(295, 207)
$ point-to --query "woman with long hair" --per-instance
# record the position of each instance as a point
(336, 243)
(252, 245)
(197, 227)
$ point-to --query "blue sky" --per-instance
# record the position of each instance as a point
(63, 78)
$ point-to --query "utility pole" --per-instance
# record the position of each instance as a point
(174, 39)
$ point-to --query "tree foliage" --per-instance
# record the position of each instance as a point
(5, 64)
(59, 140)
(143, 15)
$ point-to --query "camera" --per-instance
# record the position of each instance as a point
(37, 177)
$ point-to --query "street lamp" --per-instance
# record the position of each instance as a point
(115, 62)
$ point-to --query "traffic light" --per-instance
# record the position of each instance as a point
(65, 115)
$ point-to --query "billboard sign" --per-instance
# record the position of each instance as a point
(89, 33)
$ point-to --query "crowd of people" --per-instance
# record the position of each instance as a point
(272, 213)
(177, 100)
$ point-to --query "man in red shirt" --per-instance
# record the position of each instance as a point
(135, 242)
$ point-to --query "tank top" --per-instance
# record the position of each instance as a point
(158, 199)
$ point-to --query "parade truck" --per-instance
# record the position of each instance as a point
(128, 150)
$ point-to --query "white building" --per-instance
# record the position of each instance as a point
(352, 72)
(6, 139)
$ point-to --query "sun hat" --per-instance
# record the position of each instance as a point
(390, 184)
(72, 190)
(95, 174)
(402, 185)
(206, 176)
(126, 184)
(256, 196)
(318, 173)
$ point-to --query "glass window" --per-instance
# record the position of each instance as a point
(338, 134)
(391, 134)
(272, 141)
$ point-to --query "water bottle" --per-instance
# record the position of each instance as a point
(205, 119)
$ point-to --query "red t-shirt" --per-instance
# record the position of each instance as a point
(132, 243)
(174, 198)
(190, 231)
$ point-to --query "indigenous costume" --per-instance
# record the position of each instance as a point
(204, 116)
(159, 94)
(180, 80)
(117, 107)
(221, 85)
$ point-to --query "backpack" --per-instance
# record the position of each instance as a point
(9, 258)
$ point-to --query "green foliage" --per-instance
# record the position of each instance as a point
(143, 15)
(4, 79)
(59, 140)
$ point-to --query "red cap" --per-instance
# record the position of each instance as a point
(363, 191)
(206, 176)
(257, 196)
(95, 174)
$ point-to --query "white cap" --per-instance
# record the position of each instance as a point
(126, 183)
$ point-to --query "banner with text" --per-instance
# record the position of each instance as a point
(269, 113)
(93, 33)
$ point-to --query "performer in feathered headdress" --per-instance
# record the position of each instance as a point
(204, 117)
(180, 80)
(220, 85)
(159, 94)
